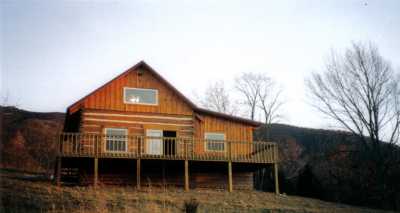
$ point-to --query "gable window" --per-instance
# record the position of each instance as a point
(116, 139)
(140, 96)
(215, 141)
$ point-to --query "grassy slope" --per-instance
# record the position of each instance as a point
(25, 193)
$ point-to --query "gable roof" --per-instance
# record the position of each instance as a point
(195, 108)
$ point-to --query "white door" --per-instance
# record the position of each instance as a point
(154, 145)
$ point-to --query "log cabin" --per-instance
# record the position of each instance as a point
(139, 130)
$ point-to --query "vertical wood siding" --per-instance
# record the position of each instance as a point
(234, 131)
(110, 96)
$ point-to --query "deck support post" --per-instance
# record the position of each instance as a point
(58, 171)
(138, 174)
(186, 175)
(96, 170)
(276, 178)
(230, 184)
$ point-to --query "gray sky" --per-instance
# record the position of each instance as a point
(55, 52)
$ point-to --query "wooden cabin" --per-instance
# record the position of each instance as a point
(138, 129)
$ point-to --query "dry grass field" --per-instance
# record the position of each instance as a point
(29, 193)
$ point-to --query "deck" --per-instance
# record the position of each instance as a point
(167, 148)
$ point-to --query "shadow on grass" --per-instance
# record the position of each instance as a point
(24, 175)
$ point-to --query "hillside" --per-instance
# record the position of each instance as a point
(31, 193)
(333, 166)
(27, 138)
(314, 163)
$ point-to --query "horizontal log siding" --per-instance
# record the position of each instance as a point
(110, 96)
(219, 180)
(95, 121)
(234, 131)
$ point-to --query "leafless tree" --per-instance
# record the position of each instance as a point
(270, 100)
(249, 85)
(262, 92)
(6, 100)
(217, 98)
(361, 92)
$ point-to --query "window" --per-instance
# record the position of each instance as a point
(215, 141)
(116, 140)
(140, 96)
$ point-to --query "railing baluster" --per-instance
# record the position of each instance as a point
(269, 153)
(264, 146)
(74, 142)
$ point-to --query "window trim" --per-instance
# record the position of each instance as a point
(207, 141)
(143, 89)
(105, 140)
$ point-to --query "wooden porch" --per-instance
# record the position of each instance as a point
(97, 146)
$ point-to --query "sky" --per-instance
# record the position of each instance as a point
(55, 52)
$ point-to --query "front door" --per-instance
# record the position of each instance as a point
(169, 142)
(154, 143)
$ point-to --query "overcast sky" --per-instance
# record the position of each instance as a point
(55, 52)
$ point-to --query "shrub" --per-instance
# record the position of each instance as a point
(190, 206)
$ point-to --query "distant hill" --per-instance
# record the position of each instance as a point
(27, 138)
(299, 146)
(331, 165)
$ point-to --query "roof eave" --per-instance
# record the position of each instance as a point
(228, 117)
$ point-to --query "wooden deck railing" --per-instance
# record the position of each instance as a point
(133, 146)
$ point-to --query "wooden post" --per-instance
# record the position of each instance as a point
(229, 150)
(163, 171)
(138, 173)
(96, 168)
(186, 175)
(276, 178)
(58, 171)
(230, 184)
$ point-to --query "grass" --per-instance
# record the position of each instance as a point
(19, 193)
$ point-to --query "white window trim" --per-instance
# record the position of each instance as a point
(125, 102)
(207, 141)
(126, 140)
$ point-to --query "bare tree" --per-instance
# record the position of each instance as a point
(250, 85)
(360, 91)
(262, 92)
(6, 100)
(217, 98)
(270, 100)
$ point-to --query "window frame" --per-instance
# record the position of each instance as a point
(214, 141)
(105, 140)
(143, 89)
